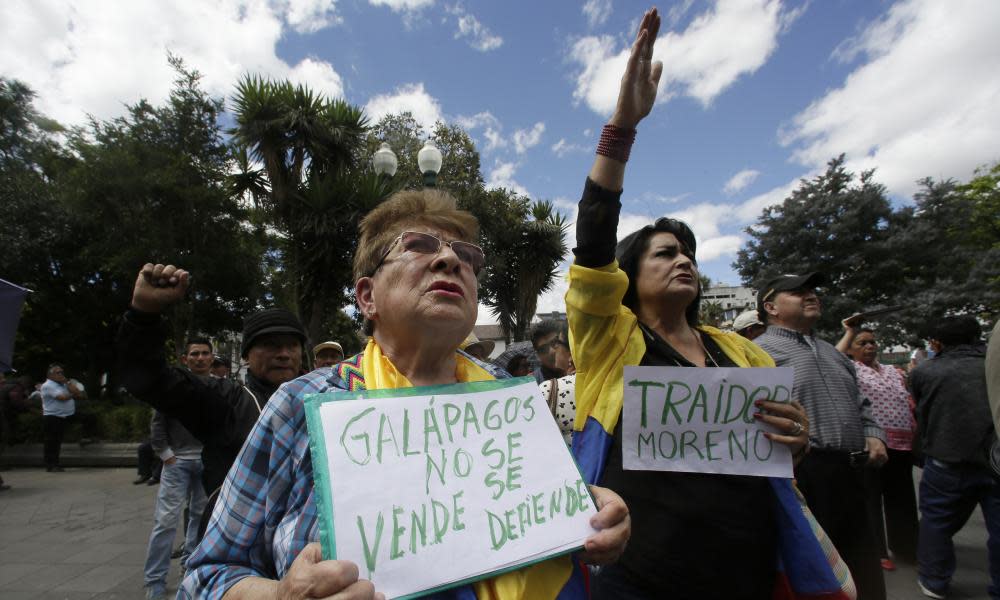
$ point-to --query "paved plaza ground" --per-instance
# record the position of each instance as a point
(82, 534)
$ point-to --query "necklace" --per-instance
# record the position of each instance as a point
(708, 355)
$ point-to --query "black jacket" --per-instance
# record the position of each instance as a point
(954, 423)
(218, 412)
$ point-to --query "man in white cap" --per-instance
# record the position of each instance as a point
(328, 354)
(748, 324)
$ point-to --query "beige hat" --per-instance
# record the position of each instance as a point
(328, 346)
(487, 346)
(746, 319)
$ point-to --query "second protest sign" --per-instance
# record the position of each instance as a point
(701, 420)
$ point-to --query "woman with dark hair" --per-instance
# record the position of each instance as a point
(636, 303)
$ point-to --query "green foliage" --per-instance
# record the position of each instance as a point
(524, 241)
(77, 221)
(933, 258)
(460, 168)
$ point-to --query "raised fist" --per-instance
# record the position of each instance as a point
(159, 286)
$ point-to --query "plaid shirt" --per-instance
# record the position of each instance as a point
(840, 416)
(266, 513)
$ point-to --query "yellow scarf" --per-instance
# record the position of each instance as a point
(540, 581)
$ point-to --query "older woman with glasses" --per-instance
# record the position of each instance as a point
(891, 483)
(415, 271)
(696, 535)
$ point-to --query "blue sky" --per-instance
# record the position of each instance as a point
(756, 94)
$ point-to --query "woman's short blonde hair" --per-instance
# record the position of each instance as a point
(409, 208)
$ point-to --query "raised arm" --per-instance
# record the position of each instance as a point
(851, 325)
(635, 99)
(197, 402)
(597, 221)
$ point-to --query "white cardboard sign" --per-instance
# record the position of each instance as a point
(425, 488)
(701, 420)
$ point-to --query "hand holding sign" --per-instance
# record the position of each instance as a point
(613, 525)
(312, 577)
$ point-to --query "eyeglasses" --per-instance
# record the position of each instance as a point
(425, 243)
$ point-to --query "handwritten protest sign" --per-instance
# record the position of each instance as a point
(701, 420)
(425, 488)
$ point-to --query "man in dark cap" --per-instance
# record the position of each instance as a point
(843, 435)
(218, 412)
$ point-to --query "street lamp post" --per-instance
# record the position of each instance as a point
(429, 161)
(384, 161)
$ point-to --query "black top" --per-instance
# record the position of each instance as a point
(954, 423)
(694, 535)
(218, 412)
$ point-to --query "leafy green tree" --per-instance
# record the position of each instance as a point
(837, 223)
(952, 260)
(939, 256)
(460, 167)
(983, 192)
(524, 240)
(150, 185)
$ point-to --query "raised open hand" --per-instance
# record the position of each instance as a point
(159, 286)
(642, 76)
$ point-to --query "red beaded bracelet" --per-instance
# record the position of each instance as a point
(616, 143)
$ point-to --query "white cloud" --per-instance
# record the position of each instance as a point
(923, 104)
(494, 139)
(491, 128)
(310, 16)
(402, 6)
(481, 119)
(478, 35)
(502, 175)
(597, 11)
(740, 180)
(562, 148)
(319, 76)
(717, 48)
(408, 97)
(528, 138)
(85, 61)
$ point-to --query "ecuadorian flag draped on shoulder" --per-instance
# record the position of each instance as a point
(560, 578)
(605, 337)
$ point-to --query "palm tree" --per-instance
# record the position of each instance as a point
(525, 243)
(301, 162)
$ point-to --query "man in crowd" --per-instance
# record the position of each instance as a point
(220, 368)
(218, 412)
(955, 432)
(749, 325)
(477, 348)
(180, 481)
(843, 434)
(550, 347)
(328, 354)
(58, 405)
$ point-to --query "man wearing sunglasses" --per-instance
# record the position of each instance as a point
(549, 340)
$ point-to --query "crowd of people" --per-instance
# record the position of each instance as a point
(235, 454)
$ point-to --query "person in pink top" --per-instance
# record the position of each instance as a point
(892, 407)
